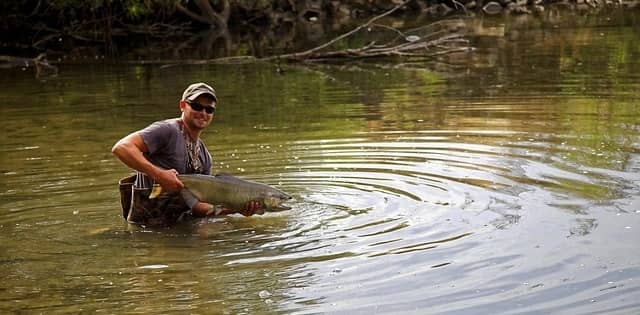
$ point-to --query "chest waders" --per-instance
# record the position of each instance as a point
(163, 210)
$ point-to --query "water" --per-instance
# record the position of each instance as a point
(506, 183)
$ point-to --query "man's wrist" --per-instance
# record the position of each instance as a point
(153, 172)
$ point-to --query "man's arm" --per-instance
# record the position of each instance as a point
(130, 150)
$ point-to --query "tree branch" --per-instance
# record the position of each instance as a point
(345, 35)
(210, 16)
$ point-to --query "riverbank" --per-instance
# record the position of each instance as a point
(250, 31)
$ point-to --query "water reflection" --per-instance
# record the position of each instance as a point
(509, 188)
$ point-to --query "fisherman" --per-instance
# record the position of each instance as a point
(161, 151)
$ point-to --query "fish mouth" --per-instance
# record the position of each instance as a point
(273, 203)
(281, 207)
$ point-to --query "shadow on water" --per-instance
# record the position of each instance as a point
(509, 187)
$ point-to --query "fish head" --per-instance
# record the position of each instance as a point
(273, 201)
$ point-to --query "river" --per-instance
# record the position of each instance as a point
(505, 181)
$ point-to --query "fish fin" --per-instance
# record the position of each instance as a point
(280, 208)
(224, 175)
(156, 191)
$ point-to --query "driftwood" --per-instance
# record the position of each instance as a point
(40, 63)
(426, 45)
(414, 46)
(447, 40)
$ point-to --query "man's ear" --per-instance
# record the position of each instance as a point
(182, 105)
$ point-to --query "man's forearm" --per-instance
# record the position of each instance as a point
(135, 159)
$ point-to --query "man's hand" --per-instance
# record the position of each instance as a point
(203, 209)
(169, 180)
(130, 150)
(206, 209)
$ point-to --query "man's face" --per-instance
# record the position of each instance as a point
(199, 112)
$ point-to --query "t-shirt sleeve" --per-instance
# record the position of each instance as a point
(156, 136)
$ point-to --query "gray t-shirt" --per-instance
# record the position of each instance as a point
(168, 149)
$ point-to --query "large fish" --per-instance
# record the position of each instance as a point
(232, 192)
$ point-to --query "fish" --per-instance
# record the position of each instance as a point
(232, 192)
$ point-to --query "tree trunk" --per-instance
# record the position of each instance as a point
(208, 14)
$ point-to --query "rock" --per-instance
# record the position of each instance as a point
(470, 5)
(412, 38)
(492, 8)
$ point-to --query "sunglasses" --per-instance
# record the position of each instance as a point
(199, 107)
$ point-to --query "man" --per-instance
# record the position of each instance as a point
(163, 150)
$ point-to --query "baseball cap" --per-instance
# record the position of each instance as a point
(197, 89)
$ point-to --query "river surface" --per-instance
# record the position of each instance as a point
(506, 181)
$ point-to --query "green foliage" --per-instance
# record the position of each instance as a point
(136, 9)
